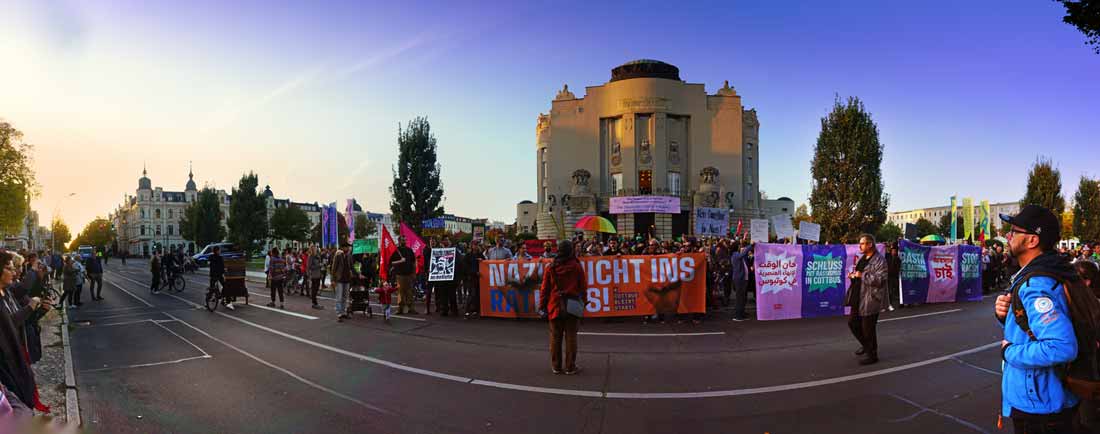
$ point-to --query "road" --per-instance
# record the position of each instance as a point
(157, 363)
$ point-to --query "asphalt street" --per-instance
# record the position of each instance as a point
(158, 363)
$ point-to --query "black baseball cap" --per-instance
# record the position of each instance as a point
(1039, 221)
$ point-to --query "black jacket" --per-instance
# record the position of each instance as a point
(15, 371)
(217, 265)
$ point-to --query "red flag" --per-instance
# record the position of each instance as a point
(385, 251)
(738, 227)
(416, 244)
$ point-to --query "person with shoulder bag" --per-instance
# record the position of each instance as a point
(561, 300)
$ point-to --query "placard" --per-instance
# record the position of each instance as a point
(443, 265)
(809, 231)
(711, 222)
(644, 204)
(783, 227)
(369, 245)
(758, 230)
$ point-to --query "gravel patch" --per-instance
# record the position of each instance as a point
(49, 373)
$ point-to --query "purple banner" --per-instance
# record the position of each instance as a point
(970, 274)
(778, 281)
(644, 204)
(943, 274)
(940, 274)
(823, 277)
(914, 272)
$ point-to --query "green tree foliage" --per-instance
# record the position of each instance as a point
(889, 232)
(97, 233)
(1085, 16)
(290, 223)
(17, 184)
(417, 190)
(364, 227)
(801, 214)
(848, 196)
(202, 219)
(1086, 210)
(247, 216)
(61, 234)
(925, 227)
(944, 228)
(1044, 187)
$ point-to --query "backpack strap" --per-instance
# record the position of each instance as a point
(1018, 311)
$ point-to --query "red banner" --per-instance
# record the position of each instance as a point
(617, 285)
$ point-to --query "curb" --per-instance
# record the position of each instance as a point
(72, 402)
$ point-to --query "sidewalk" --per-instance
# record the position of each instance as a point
(49, 373)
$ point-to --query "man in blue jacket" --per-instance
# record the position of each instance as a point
(1032, 391)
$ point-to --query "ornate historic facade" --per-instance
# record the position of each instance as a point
(645, 133)
(150, 218)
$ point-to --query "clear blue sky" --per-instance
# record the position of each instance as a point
(965, 94)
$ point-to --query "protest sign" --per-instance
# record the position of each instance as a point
(617, 285)
(783, 227)
(758, 230)
(442, 265)
(803, 281)
(939, 274)
(711, 222)
(809, 231)
(369, 245)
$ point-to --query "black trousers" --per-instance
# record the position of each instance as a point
(864, 328)
(156, 282)
(741, 294)
(1055, 423)
(96, 280)
(315, 285)
(473, 302)
(446, 295)
(277, 288)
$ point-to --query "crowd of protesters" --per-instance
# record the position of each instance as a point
(27, 280)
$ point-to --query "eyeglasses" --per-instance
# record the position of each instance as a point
(1017, 231)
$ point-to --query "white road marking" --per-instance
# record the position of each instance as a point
(924, 409)
(285, 312)
(977, 367)
(145, 365)
(658, 335)
(199, 306)
(918, 316)
(128, 292)
(283, 370)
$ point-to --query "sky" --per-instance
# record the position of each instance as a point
(309, 95)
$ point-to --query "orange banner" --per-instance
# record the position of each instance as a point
(617, 285)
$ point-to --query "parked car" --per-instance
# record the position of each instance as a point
(229, 251)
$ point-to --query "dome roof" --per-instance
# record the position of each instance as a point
(524, 202)
(144, 183)
(645, 68)
(267, 191)
(190, 181)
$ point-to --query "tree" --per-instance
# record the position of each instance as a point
(889, 232)
(290, 223)
(247, 216)
(202, 219)
(944, 228)
(1044, 187)
(364, 227)
(61, 234)
(17, 184)
(1085, 16)
(801, 214)
(416, 191)
(925, 227)
(97, 233)
(847, 196)
(1067, 224)
(1086, 210)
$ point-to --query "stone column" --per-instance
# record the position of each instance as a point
(663, 224)
(624, 223)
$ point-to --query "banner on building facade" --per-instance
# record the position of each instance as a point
(940, 274)
(758, 230)
(711, 222)
(626, 285)
(644, 204)
(803, 281)
(442, 266)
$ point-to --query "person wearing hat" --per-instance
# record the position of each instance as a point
(1033, 394)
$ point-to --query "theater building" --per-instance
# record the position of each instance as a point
(644, 150)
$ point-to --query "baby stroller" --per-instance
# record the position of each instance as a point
(359, 301)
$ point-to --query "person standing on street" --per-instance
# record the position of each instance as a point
(276, 274)
(564, 279)
(739, 274)
(95, 277)
(471, 274)
(1033, 394)
(499, 252)
(405, 268)
(155, 270)
(867, 297)
(446, 291)
(341, 279)
(315, 265)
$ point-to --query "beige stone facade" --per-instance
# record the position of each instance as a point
(934, 214)
(645, 132)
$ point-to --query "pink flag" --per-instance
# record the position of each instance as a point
(416, 244)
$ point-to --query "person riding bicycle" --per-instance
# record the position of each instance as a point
(217, 274)
(170, 267)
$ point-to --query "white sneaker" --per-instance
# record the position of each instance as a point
(230, 306)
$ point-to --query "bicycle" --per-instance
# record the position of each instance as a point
(175, 281)
(213, 297)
